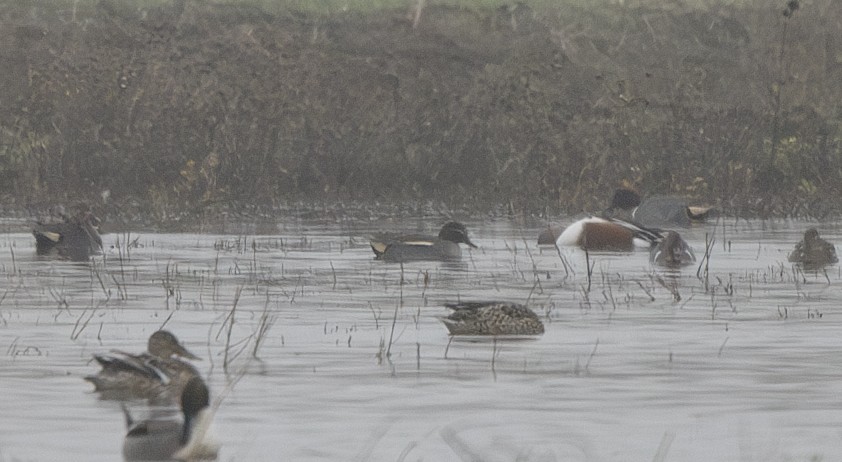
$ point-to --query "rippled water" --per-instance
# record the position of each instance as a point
(646, 365)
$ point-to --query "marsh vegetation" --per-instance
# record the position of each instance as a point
(185, 106)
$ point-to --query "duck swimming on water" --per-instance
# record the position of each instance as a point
(672, 252)
(401, 248)
(168, 439)
(157, 375)
(595, 233)
(492, 318)
(655, 211)
(76, 237)
(813, 251)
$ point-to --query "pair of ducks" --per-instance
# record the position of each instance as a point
(161, 377)
(595, 233)
(75, 237)
(467, 318)
(628, 223)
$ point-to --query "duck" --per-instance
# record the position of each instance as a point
(813, 251)
(655, 211)
(156, 375)
(401, 248)
(168, 439)
(492, 318)
(607, 234)
(672, 252)
(75, 237)
(550, 234)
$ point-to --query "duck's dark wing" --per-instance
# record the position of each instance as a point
(141, 366)
(830, 251)
(50, 234)
(798, 253)
(71, 237)
(645, 233)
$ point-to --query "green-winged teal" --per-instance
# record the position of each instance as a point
(398, 248)
(157, 375)
(168, 439)
(76, 237)
(492, 318)
(813, 252)
(672, 252)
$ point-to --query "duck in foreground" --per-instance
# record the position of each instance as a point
(813, 251)
(157, 375)
(159, 439)
(595, 233)
(397, 248)
(672, 252)
(492, 318)
(76, 237)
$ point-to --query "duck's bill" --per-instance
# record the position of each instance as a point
(185, 353)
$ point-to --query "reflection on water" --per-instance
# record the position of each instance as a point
(735, 358)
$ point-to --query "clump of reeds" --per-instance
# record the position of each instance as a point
(703, 271)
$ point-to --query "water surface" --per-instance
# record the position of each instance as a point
(637, 364)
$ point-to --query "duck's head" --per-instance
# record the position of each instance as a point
(163, 344)
(673, 242)
(58, 211)
(455, 232)
(624, 200)
(811, 235)
(92, 220)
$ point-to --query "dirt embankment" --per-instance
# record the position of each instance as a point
(194, 104)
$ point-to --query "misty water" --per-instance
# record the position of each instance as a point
(644, 364)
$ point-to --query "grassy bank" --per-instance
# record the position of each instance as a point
(184, 105)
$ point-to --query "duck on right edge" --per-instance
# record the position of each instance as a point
(813, 251)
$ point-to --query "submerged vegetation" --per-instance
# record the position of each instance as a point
(178, 105)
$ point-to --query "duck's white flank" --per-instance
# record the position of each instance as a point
(570, 235)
